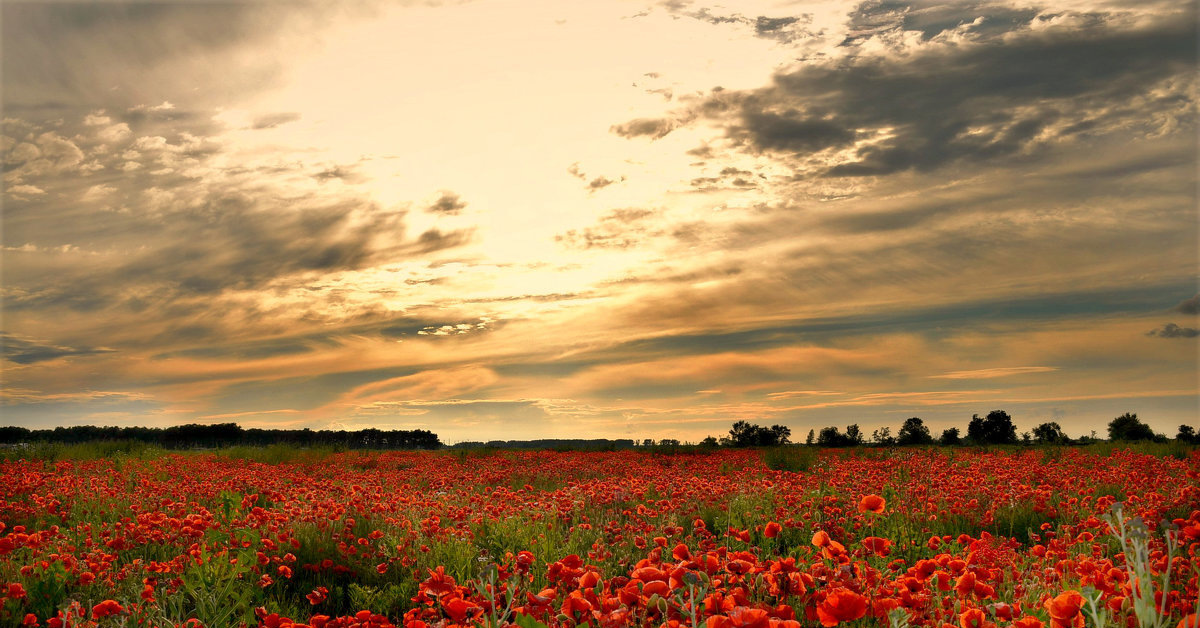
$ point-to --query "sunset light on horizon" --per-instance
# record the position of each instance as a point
(626, 219)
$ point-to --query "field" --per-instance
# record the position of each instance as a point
(732, 538)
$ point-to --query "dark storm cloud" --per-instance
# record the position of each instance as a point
(793, 131)
(1006, 91)
(1171, 330)
(25, 351)
(1189, 306)
(871, 19)
(448, 203)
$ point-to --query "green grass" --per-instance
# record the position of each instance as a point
(795, 458)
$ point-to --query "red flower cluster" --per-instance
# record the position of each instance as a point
(964, 539)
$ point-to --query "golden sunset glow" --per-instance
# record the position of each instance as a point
(599, 219)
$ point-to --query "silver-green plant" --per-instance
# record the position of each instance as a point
(1134, 536)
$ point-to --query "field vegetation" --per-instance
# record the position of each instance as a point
(127, 534)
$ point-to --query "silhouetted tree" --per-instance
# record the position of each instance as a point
(854, 435)
(950, 437)
(883, 436)
(914, 432)
(811, 436)
(1186, 434)
(709, 441)
(745, 434)
(14, 434)
(1049, 434)
(832, 437)
(995, 429)
(195, 435)
(1128, 427)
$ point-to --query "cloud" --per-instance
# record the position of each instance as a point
(619, 229)
(448, 204)
(983, 94)
(995, 372)
(1171, 330)
(272, 120)
(1189, 306)
(24, 351)
(655, 128)
(25, 190)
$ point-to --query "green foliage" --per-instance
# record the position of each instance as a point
(92, 450)
(789, 458)
(217, 591)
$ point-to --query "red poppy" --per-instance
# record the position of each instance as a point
(1028, 621)
(974, 618)
(877, 545)
(107, 608)
(872, 503)
(841, 605)
(1064, 610)
(772, 530)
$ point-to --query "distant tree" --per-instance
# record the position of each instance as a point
(669, 442)
(1026, 438)
(1049, 434)
(1187, 434)
(854, 435)
(995, 429)
(648, 442)
(1128, 427)
(950, 437)
(975, 431)
(13, 434)
(832, 437)
(914, 432)
(745, 434)
(811, 435)
(709, 441)
(883, 436)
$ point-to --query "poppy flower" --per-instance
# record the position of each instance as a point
(878, 546)
(1064, 610)
(1028, 621)
(772, 530)
(872, 503)
(974, 618)
(841, 605)
(106, 609)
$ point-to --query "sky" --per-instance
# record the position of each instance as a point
(620, 219)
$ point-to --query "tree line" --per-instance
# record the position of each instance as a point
(194, 435)
(996, 428)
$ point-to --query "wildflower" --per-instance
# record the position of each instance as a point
(1064, 610)
(841, 605)
(872, 503)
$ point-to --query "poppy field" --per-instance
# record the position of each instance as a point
(727, 538)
